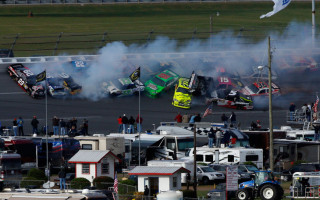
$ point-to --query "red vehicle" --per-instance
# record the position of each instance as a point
(260, 89)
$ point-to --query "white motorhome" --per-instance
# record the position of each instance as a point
(227, 155)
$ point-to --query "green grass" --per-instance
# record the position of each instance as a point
(132, 23)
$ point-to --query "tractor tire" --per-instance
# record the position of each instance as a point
(243, 194)
(269, 192)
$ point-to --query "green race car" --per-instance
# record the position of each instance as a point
(162, 81)
(182, 96)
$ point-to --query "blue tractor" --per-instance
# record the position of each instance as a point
(263, 185)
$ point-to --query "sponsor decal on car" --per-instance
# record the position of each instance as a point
(152, 86)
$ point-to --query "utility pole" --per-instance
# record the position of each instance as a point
(313, 23)
(270, 109)
(195, 159)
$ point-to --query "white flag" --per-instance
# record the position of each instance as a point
(278, 5)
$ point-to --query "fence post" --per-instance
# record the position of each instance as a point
(103, 39)
(194, 33)
(149, 36)
(58, 41)
(13, 44)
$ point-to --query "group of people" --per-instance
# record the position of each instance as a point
(129, 125)
(69, 127)
(232, 118)
(17, 127)
(187, 118)
(305, 114)
(216, 137)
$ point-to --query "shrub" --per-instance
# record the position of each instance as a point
(129, 182)
(31, 181)
(80, 183)
(103, 182)
(189, 194)
(37, 174)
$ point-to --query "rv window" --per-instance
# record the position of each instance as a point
(171, 144)
(86, 146)
(184, 144)
(85, 168)
(199, 158)
(105, 168)
(252, 158)
(230, 158)
(209, 158)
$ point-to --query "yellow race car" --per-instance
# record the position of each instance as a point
(182, 96)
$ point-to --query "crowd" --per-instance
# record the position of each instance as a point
(60, 127)
(193, 118)
(305, 113)
(130, 125)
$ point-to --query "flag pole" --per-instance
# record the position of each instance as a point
(47, 153)
(139, 122)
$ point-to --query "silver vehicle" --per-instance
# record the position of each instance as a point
(205, 174)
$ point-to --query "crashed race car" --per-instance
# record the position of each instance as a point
(122, 87)
(260, 89)
(201, 85)
(55, 85)
(69, 84)
(26, 80)
(232, 99)
(160, 82)
(182, 96)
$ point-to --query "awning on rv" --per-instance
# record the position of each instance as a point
(146, 143)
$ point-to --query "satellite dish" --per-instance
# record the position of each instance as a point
(48, 185)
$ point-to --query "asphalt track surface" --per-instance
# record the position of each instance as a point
(102, 115)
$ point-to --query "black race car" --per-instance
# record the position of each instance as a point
(26, 80)
(69, 84)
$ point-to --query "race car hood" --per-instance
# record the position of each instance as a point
(182, 96)
(246, 91)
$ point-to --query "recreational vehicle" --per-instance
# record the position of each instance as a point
(227, 155)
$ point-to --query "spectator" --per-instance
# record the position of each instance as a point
(197, 118)
(258, 124)
(69, 125)
(308, 113)
(82, 130)
(146, 191)
(139, 121)
(63, 127)
(218, 138)
(120, 124)
(233, 119)
(131, 124)
(178, 118)
(192, 119)
(224, 119)
(34, 124)
(62, 177)
(55, 125)
(125, 121)
(20, 126)
(211, 137)
(188, 180)
(73, 131)
(185, 118)
(15, 127)
(74, 122)
(254, 126)
(292, 110)
(86, 126)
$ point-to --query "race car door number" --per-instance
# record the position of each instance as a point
(21, 82)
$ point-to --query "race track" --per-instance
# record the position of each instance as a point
(102, 115)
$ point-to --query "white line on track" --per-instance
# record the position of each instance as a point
(6, 93)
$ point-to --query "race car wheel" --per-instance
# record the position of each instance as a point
(269, 192)
(243, 194)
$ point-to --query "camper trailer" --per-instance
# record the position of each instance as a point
(227, 155)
